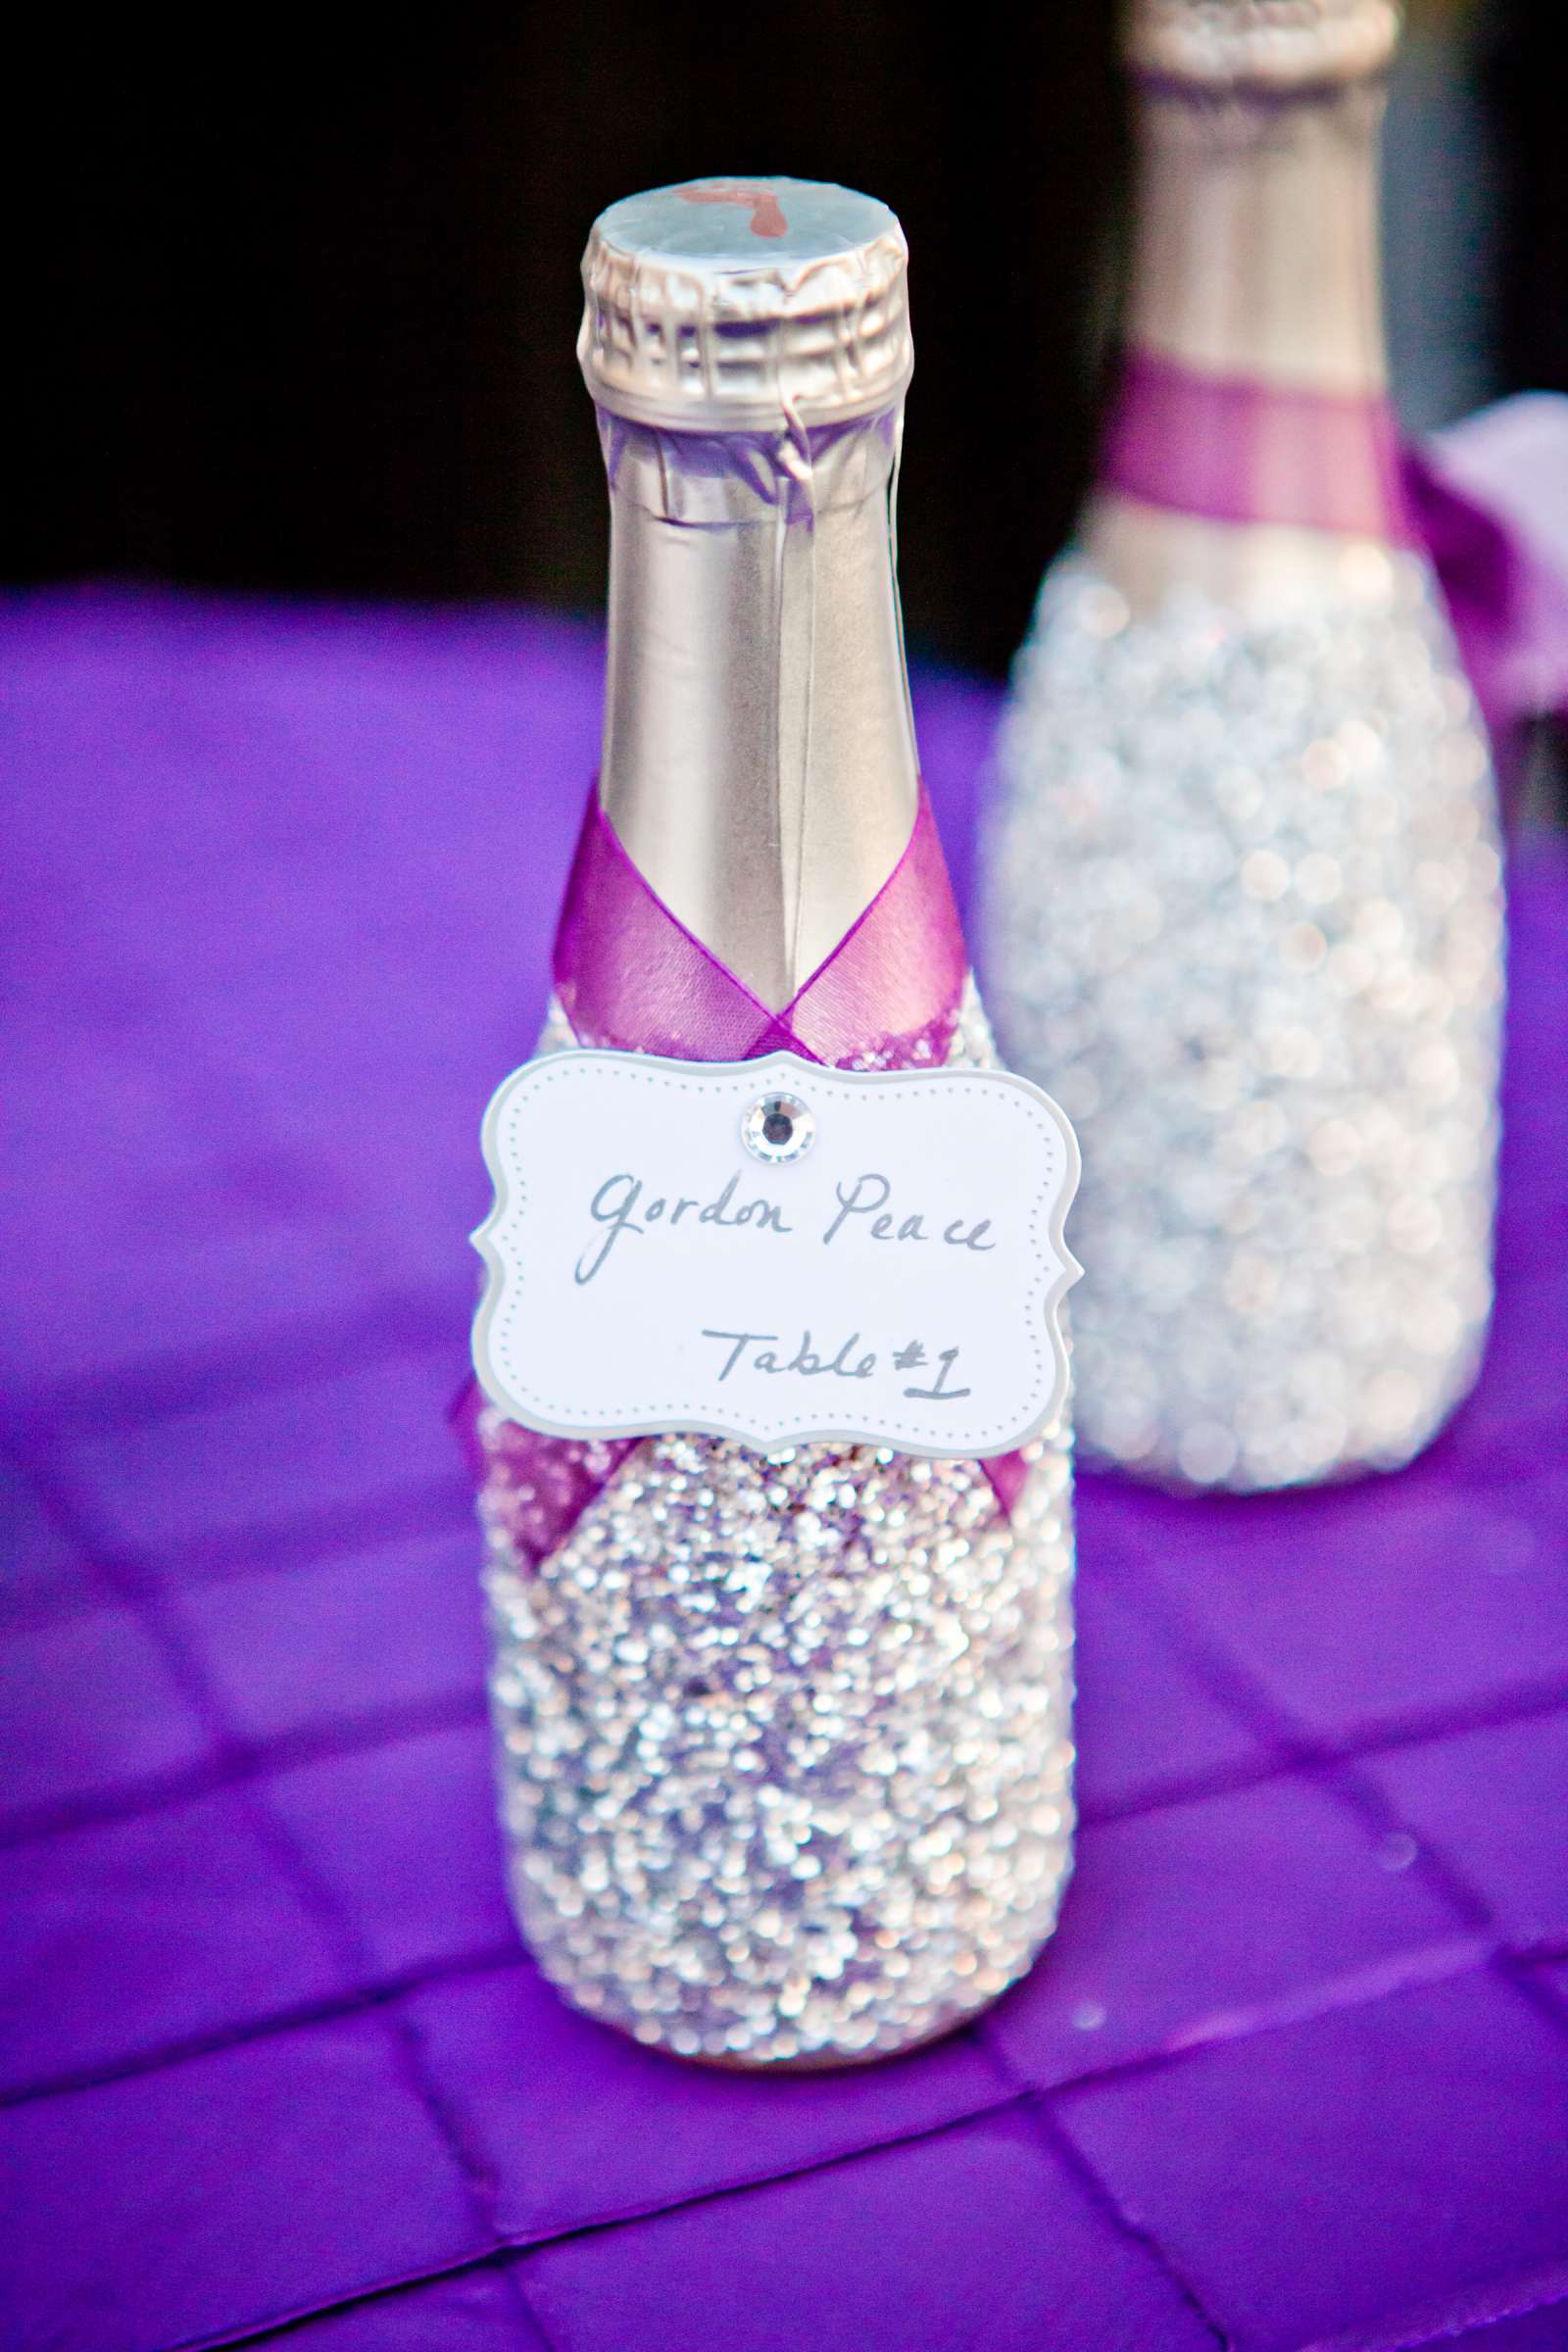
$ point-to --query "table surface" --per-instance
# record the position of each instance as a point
(1293, 2071)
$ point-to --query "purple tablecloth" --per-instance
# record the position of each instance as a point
(1295, 2071)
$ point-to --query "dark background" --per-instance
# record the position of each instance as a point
(309, 291)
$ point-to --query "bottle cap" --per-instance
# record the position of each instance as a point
(732, 305)
(1279, 45)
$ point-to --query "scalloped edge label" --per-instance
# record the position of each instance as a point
(894, 1282)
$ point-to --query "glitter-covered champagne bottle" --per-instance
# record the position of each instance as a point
(783, 1737)
(1242, 901)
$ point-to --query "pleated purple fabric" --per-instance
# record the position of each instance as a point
(274, 910)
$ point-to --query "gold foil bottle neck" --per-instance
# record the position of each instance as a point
(1268, 45)
(746, 305)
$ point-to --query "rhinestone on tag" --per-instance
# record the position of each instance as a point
(778, 1128)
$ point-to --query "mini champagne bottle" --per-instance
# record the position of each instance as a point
(1242, 905)
(783, 1737)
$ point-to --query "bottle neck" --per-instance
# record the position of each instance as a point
(1251, 442)
(758, 756)
(1255, 252)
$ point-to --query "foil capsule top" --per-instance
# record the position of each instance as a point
(1278, 45)
(746, 305)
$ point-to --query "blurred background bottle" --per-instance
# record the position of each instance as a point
(1241, 905)
(783, 1737)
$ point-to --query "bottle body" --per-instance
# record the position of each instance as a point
(1251, 941)
(783, 1738)
(1243, 905)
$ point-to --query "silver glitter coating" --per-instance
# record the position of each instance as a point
(1242, 917)
(784, 1738)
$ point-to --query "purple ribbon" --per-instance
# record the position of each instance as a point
(631, 977)
(1235, 450)
(629, 974)
(1486, 501)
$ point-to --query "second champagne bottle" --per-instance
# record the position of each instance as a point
(1243, 898)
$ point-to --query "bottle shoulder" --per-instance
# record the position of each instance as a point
(1133, 569)
(1346, 691)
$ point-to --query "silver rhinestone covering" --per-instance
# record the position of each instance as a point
(1242, 917)
(784, 1738)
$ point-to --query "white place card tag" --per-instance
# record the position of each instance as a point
(775, 1251)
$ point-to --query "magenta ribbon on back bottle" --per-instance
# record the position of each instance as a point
(1233, 448)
